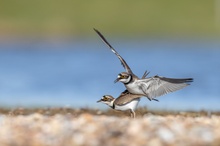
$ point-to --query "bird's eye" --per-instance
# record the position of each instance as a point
(123, 77)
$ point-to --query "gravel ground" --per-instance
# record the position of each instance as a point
(98, 129)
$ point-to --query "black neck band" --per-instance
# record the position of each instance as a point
(129, 80)
(113, 106)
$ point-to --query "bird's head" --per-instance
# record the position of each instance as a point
(123, 77)
(107, 99)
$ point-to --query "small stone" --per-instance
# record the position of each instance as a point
(155, 142)
(166, 135)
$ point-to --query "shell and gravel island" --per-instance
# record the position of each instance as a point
(89, 127)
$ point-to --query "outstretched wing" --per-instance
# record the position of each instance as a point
(124, 64)
(157, 86)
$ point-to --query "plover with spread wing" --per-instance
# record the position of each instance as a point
(150, 87)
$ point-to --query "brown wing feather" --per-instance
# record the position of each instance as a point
(145, 74)
(126, 97)
(124, 64)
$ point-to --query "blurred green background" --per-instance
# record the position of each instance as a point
(50, 55)
(141, 17)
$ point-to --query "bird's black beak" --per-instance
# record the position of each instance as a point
(99, 100)
(116, 80)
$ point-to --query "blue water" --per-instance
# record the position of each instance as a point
(77, 73)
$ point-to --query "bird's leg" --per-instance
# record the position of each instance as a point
(125, 92)
(132, 114)
(155, 99)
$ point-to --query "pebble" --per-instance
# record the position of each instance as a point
(98, 130)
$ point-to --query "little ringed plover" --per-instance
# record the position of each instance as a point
(150, 87)
(125, 101)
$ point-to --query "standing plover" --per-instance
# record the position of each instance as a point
(125, 101)
(150, 87)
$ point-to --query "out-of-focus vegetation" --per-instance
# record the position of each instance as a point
(74, 17)
(140, 112)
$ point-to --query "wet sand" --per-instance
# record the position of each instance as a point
(83, 127)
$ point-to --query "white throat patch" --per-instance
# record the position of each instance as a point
(126, 80)
(110, 103)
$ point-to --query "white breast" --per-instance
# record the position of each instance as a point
(134, 88)
(131, 105)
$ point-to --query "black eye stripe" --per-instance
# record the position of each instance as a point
(104, 98)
